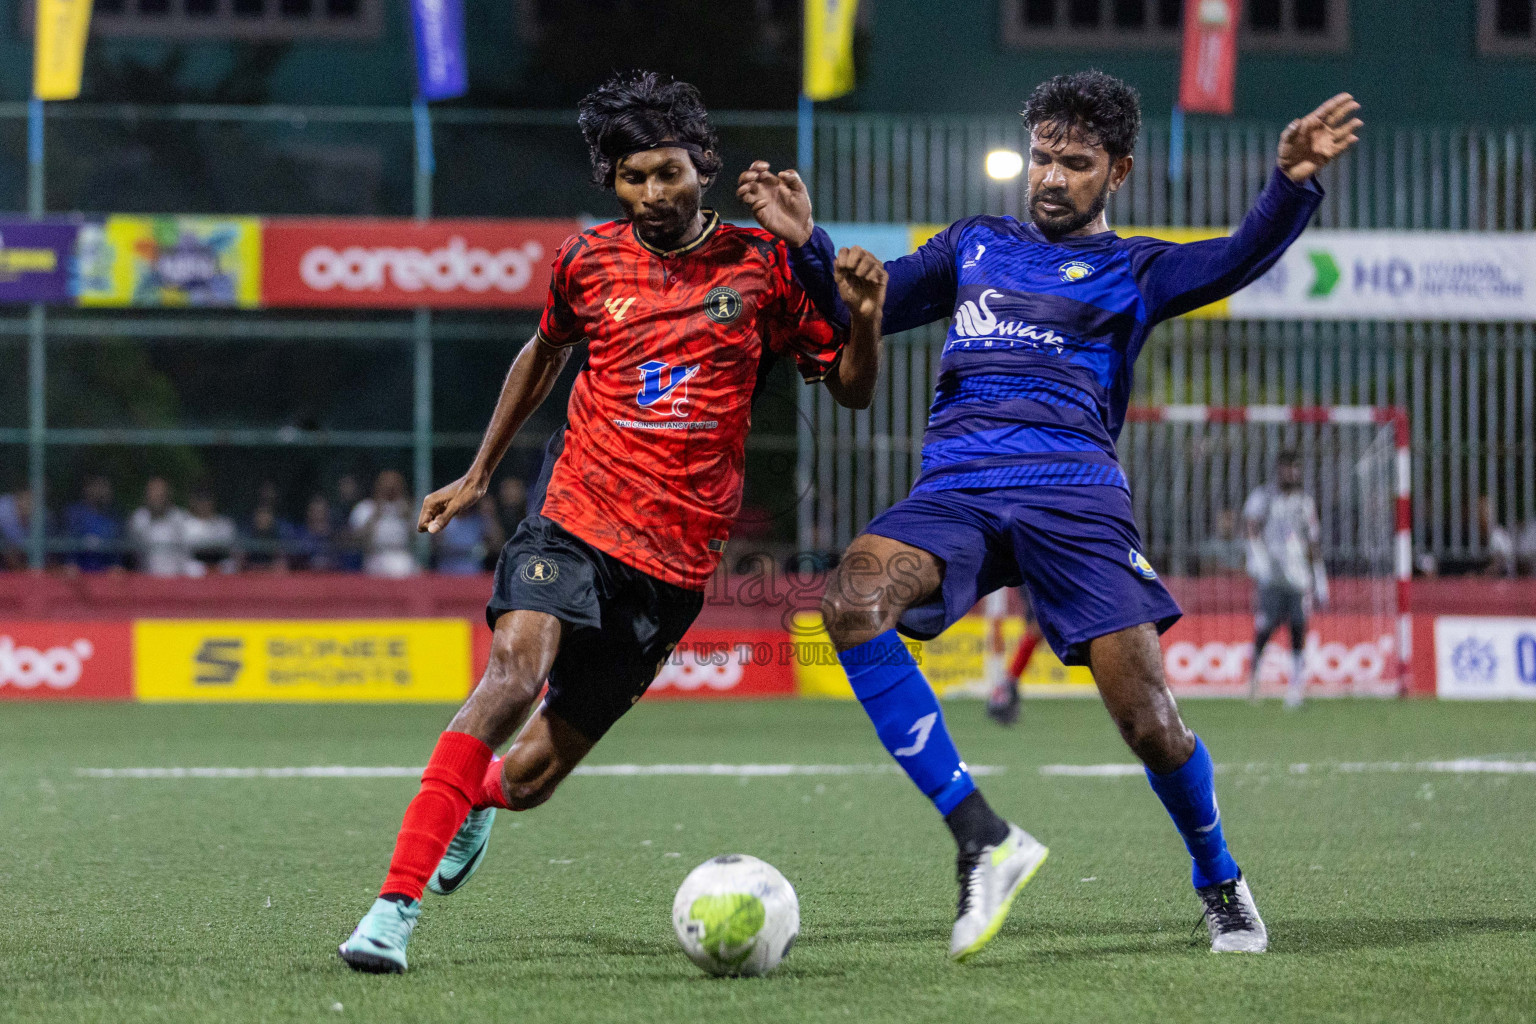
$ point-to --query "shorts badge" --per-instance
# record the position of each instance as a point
(1141, 567)
(539, 570)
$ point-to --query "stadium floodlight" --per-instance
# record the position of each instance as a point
(1004, 164)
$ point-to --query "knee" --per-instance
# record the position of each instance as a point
(850, 618)
(525, 785)
(1157, 736)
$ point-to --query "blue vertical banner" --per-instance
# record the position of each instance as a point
(441, 70)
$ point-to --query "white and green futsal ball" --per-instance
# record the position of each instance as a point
(736, 915)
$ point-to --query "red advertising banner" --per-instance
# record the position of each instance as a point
(711, 664)
(1210, 56)
(1354, 654)
(66, 661)
(403, 264)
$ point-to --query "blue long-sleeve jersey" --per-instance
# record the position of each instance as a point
(1037, 366)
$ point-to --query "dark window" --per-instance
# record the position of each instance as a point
(1130, 13)
(250, 8)
(341, 8)
(154, 7)
(1083, 13)
(294, 8)
(108, 7)
(1170, 13)
(1040, 13)
(1311, 15)
(1513, 18)
(202, 8)
(1264, 15)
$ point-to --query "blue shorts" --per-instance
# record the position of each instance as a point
(1074, 548)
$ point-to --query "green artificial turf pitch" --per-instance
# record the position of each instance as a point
(1391, 895)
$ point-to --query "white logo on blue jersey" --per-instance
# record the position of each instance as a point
(974, 259)
(975, 319)
(1075, 270)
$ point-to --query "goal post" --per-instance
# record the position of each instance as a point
(1192, 468)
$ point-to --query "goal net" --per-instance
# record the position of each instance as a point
(1192, 468)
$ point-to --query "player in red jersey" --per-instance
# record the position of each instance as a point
(682, 315)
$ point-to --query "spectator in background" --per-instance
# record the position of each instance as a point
(210, 537)
(470, 540)
(158, 531)
(384, 527)
(15, 528)
(1224, 553)
(314, 546)
(345, 547)
(268, 537)
(511, 504)
(1501, 543)
(93, 528)
(1525, 549)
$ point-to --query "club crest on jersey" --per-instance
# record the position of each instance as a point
(1141, 567)
(662, 381)
(722, 304)
(539, 571)
(1074, 270)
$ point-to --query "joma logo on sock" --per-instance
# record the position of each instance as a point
(923, 726)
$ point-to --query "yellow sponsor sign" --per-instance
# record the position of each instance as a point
(953, 662)
(828, 56)
(361, 660)
(210, 262)
(1219, 310)
(58, 48)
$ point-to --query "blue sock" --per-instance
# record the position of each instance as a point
(1189, 794)
(907, 718)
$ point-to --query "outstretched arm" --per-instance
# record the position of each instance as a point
(1175, 279)
(528, 383)
(920, 289)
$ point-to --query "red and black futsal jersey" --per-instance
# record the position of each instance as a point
(655, 451)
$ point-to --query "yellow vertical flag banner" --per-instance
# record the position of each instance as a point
(828, 48)
(58, 49)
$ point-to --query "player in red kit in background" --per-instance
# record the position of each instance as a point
(682, 314)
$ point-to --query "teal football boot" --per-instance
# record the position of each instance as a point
(377, 944)
(464, 854)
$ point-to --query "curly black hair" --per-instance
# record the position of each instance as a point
(1099, 107)
(637, 110)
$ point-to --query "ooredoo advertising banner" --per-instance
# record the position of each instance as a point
(1345, 655)
(403, 264)
(713, 664)
(42, 660)
(1485, 657)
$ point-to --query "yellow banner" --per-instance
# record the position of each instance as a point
(828, 48)
(953, 662)
(58, 48)
(362, 660)
(171, 261)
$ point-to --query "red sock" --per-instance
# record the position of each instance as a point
(448, 788)
(490, 793)
(1022, 655)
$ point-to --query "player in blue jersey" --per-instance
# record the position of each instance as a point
(1020, 480)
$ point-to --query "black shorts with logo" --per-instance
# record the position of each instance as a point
(620, 623)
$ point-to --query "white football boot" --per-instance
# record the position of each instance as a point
(989, 880)
(1233, 918)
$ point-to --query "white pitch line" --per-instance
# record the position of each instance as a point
(1459, 766)
(606, 770)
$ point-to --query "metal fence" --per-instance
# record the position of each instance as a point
(1470, 389)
